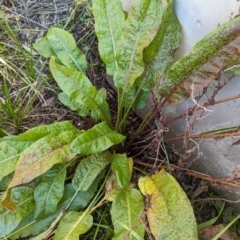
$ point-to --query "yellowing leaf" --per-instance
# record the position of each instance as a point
(127, 214)
(22, 197)
(169, 212)
(73, 225)
(203, 63)
(39, 158)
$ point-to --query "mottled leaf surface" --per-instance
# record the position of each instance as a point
(158, 56)
(97, 139)
(24, 140)
(127, 214)
(79, 89)
(8, 159)
(73, 225)
(62, 44)
(109, 19)
(88, 169)
(169, 212)
(121, 167)
(196, 69)
(22, 197)
(139, 30)
(39, 158)
(49, 191)
(81, 109)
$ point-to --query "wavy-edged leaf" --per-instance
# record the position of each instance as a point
(97, 139)
(169, 212)
(31, 227)
(39, 158)
(63, 45)
(139, 30)
(81, 109)
(203, 63)
(8, 159)
(88, 169)
(73, 225)
(127, 214)
(9, 220)
(49, 191)
(109, 20)
(24, 140)
(79, 89)
(120, 165)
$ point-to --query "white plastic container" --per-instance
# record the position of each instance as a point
(218, 158)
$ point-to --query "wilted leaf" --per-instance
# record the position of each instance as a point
(73, 225)
(97, 139)
(111, 187)
(169, 212)
(203, 63)
(49, 191)
(139, 30)
(81, 109)
(127, 214)
(8, 159)
(88, 169)
(109, 19)
(79, 89)
(39, 158)
(120, 165)
(22, 197)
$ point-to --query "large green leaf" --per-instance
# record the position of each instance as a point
(62, 44)
(81, 109)
(8, 159)
(9, 220)
(97, 139)
(203, 63)
(79, 89)
(24, 140)
(158, 56)
(73, 225)
(139, 30)
(120, 165)
(109, 19)
(39, 158)
(31, 227)
(49, 191)
(127, 214)
(88, 169)
(169, 212)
